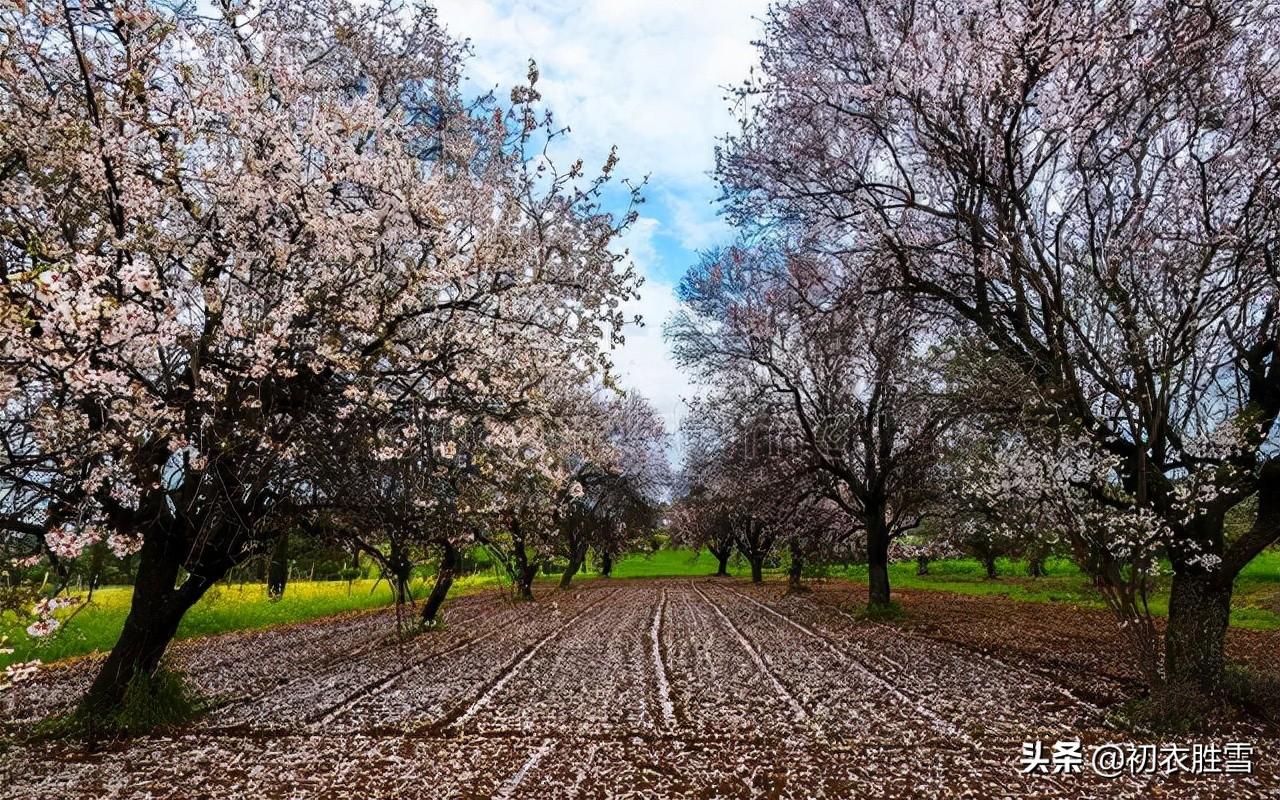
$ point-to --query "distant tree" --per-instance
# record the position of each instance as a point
(611, 493)
(1089, 190)
(839, 371)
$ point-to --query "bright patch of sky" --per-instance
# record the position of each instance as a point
(648, 76)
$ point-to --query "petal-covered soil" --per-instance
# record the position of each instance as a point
(676, 688)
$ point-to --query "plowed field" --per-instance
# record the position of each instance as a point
(703, 688)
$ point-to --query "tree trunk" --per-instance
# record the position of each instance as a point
(566, 577)
(97, 557)
(444, 580)
(922, 565)
(155, 611)
(722, 560)
(522, 570)
(1199, 610)
(606, 564)
(524, 582)
(1035, 566)
(989, 564)
(400, 576)
(278, 569)
(757, 568)
(877, 564)
(796, 570)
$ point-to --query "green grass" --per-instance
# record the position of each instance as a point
(1256, 602)
(226, 607)
(672, 563)
(230, 607)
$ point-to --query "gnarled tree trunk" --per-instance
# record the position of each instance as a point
(576, 559)
(156, 609)
(1195, 637)
(444, 580)
(278, 568)
(722, 559)
(524, 581)
(795, 572)
(401, 574)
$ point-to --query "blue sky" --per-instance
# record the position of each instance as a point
(648, 76)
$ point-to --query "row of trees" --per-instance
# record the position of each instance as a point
(1010, 265)
(264, 269)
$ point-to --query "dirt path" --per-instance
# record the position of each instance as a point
(689, 688)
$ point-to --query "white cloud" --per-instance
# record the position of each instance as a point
(694, 221)
(644, 362)
(648, 76)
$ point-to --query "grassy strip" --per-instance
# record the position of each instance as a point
(231, 607)
(1255, 604)
(226, 607)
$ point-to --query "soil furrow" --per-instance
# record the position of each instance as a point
(942, 726)
(461, 716)
(646, 688)
(659, 667)
(801, 715)
(512, 784)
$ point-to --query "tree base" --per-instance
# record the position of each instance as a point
(880, 612)
(1190, 709)
(1166, 711)
(151, 702)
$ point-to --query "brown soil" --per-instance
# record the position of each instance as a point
(654, 688)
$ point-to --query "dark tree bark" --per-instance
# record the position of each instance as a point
(1200, 601)
(754, 542)
(444, 580)
(1199, 611)
(722, 555)
(1035, 566)
(576, 560)
(400, 587)
(97, 557)
(524, 581)
(877, 561)
(155, 611)
(566, 577)
(922, 565)
(523, 572)
(606, 564)
(795, 572)
(989, 566)
(401, 568)
(278, 569)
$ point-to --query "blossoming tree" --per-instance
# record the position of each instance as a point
(226, 235)
(1091, 189)
(840, 372)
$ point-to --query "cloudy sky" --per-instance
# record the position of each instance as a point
(648, 76)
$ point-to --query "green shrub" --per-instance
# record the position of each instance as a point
(882, 612)
(1255, 692)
